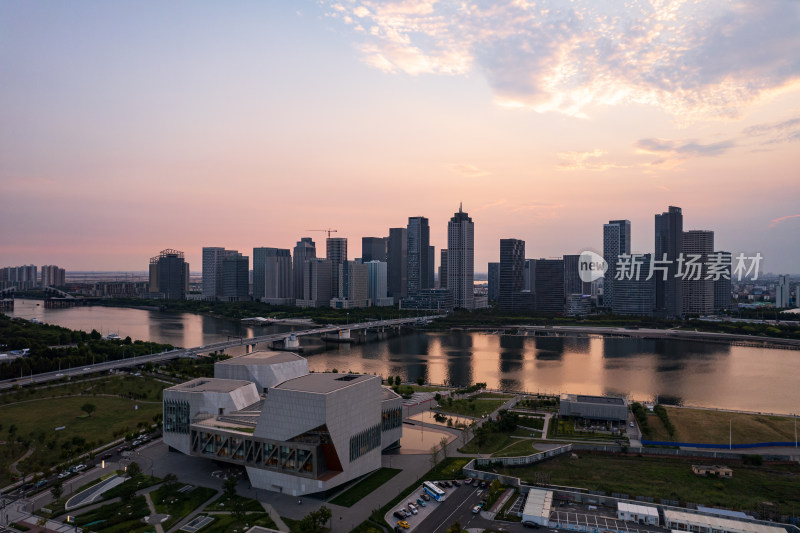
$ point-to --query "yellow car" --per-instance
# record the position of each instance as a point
(403, 524)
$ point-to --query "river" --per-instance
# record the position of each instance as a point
(683, 372)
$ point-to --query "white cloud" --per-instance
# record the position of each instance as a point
(693, 58)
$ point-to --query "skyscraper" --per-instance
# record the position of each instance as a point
(637, 295)
(272, 276)
(512, 272)
(374, 249)
(168, 271)
(336, 253)
(53, 276)
(376, 284)
(212, 271)
(698, 292)
(572, 279)
(722, 286)
(236, 278)
(616, 241)
(304, 250)
(418, 234)
(461, 259)
(397, 263)
(530, 275)
(431, 267)
(668, 247)
(494, 282)
(782, 295)
(316, 283)
(443, 269)
(550, 286)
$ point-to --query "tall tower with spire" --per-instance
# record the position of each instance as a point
(461, 259)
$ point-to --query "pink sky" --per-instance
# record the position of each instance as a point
(126, 128)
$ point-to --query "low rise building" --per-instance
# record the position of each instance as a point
(641, 514)
(594, 407)
(712, 470)
(701, 523)
(538, 505)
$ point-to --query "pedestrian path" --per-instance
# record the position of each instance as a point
(153, 513)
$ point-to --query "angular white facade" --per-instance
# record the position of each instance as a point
(294, 432)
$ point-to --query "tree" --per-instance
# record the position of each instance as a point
(315, 521)
(229, 487)
(133, 470)
(390, 380)
(443, 444)
(455, 528)
(434, 455)
(420, 381)
(88, 408)
(398, 380)
(170, 480)
(57, 490)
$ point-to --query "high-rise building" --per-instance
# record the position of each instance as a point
(304, 250)
(550, 286)
(374, 249)
(169, 274)
(698, 292)
(418, 234)
(668, 247)
(530, 275)
(397, 263)
(212, 271)
(782, 294)
(443, 269)
(317, 287)
(722, 285)
(354, 286)
(616, 242)
(461, 259)
(336, 253)
(512, 273)
(376, 284)
(53, 276)
(493, 289)
(21, 277)
(272, 276)
(572, 279)
(635, 294)
(235, 278)
(431, 266)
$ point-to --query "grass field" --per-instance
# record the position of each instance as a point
(672, 479)
(143, 387)
(475, 408)
(493, 442)
(223, 503)
(366, 486)
(36, 422)
(517, 448)
(178, 504)
(711, 427)
(225, 523)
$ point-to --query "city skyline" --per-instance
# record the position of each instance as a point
(147, 131)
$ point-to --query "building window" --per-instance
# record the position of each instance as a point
(365, 441)
(392, 419)
(176, 416)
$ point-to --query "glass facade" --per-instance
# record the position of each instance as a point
(363, 442)
(176, 416)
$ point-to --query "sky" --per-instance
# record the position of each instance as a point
(130, 127)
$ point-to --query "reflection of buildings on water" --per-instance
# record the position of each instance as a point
(549, 348)
(457, 349)
(511, 360)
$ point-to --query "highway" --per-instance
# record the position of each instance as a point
(208, 348)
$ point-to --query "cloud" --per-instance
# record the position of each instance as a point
(692, 58)
(777, 221)
(536, 206)
(775, 132)
(684, 148)
(585, 161)
(468, 171)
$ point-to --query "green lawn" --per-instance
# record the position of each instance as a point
(476, 408)
(144, 387)
(492, 443)
(449, 468)
(366, 486)
(670, 478)
(223, 503)
(518, 448)
(427, 388)
(712, 427)
(115, 517)
(36, 422)
(226, 523)
(178, 504)
(494, 395)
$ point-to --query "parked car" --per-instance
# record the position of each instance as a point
(403, 524)
(446, 484)
(483, 485)
(476, 509)
(421, 502)
(456, 483)
(531, 525)
(426, 497)
(412, 508)
(468, 481)
(399, 515)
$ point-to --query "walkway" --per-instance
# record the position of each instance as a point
(154, 518)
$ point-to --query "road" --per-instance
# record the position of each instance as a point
(192, 352)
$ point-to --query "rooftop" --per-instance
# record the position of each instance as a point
(211, 385)
(265, 357)
(323, 383)
(720, 523)
(607, 400)
(388, 394)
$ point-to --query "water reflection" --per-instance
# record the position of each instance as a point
(708, 374)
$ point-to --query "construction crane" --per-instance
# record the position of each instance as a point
(328, 231)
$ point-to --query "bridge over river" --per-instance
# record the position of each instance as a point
(289, 338)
